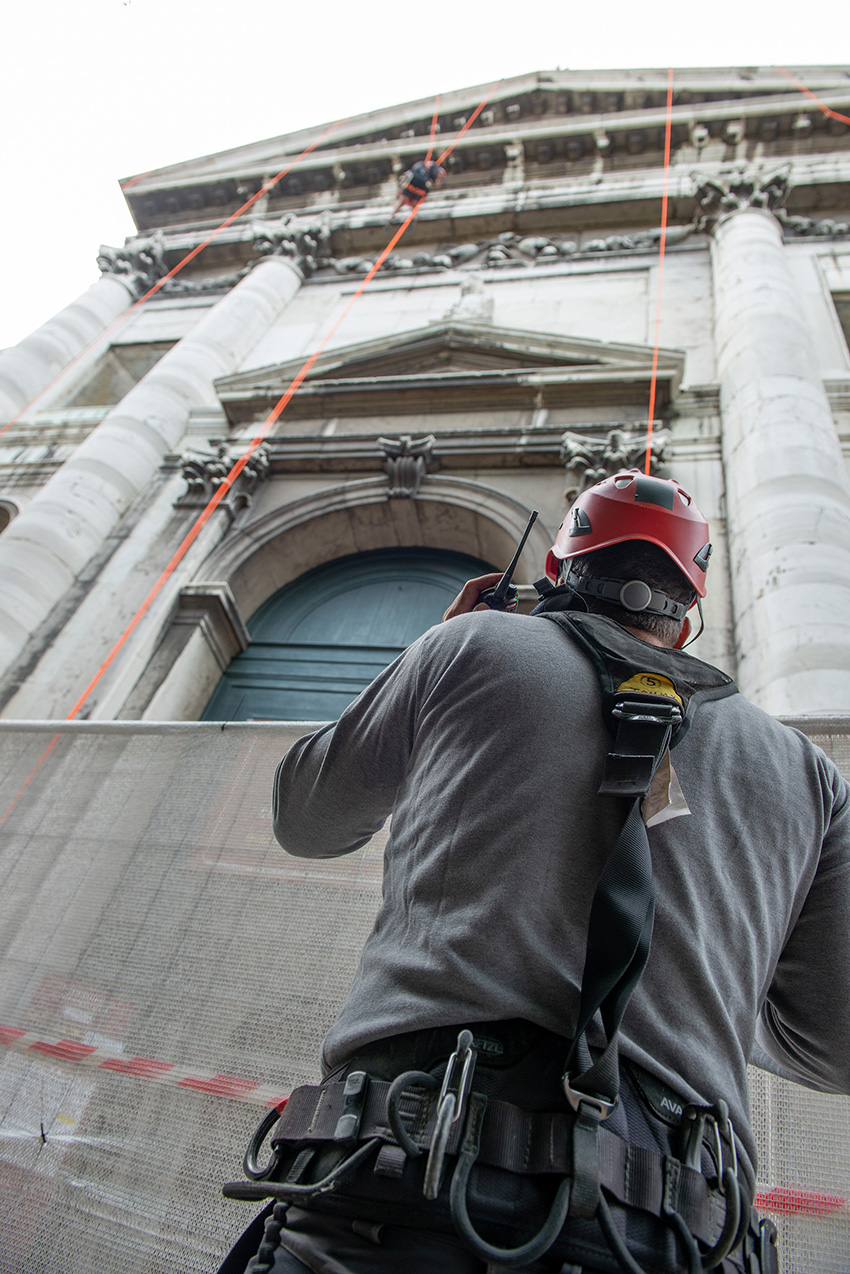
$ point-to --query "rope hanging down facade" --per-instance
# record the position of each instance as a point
(190, 256)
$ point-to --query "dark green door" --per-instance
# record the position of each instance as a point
(320, 640)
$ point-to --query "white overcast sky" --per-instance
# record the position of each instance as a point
(97, 90)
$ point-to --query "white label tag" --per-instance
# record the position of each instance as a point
(665, 798)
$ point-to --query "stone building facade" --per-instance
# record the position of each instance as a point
(165, 969)
(500, 361)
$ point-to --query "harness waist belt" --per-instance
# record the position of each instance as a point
(529, 1143)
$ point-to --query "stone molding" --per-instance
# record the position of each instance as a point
(485, 522)
(515, 447)
(212, 609)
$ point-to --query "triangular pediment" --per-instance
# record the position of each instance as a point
(439, 364)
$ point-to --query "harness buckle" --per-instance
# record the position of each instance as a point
(354, 1100)
(653, 709)
(576, 1098)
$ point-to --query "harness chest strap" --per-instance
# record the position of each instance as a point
(529, 1143)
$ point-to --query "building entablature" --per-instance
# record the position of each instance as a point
(490, 227)
(542, 127)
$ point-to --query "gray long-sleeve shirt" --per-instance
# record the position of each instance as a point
(485, 742)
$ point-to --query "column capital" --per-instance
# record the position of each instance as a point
(304, 242)
(139, 264)
(721, 196)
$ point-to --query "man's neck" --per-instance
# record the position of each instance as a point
(648, 637)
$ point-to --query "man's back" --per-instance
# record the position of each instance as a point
(487, 736)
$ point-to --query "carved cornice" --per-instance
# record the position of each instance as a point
(449, 450)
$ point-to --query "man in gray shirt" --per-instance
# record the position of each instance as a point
(486, 741)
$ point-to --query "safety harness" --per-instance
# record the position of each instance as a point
(649, 695)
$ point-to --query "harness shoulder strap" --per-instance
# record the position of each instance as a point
(649, 695)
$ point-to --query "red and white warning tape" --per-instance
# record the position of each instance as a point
(781, 1200)
(232, 1086)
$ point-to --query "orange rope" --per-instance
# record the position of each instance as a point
(433, 129)
(221, 491)
(827, 110)
(473, 117)
(45, 754)
(653, 382)
(190, 256)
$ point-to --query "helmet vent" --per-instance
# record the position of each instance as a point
(702, 557)
(623, 482)
(653, 491)
(579, 523)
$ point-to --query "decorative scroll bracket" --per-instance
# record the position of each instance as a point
(407, 461)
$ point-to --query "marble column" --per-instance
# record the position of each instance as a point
(52, 541)
(27, 368)
(787, 488)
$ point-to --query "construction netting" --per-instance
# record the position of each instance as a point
(168, 974)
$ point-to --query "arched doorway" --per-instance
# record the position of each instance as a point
(318, 641)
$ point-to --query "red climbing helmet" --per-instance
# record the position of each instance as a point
(632, 506)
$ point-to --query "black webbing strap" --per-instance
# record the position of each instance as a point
(623, 906)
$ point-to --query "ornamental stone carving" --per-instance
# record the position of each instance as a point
(720, 196)
(140, 263)
(812, 227)
(406, 461)
(475, 303)
(512, 250)
(303, 241)
(589, 460)
(204, 473)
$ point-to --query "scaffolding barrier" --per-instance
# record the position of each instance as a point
(168, 973)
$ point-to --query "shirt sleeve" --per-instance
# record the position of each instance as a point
(334, 789)
(805, 1022)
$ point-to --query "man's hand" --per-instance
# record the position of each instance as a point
(467, 598)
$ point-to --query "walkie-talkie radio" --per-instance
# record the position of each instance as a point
(504, 596)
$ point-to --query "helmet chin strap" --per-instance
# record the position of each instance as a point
(685, 638)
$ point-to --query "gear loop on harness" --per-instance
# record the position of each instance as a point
(399, 1086)
(249, 1164)
(526, 1252)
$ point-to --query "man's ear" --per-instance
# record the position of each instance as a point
(684, 634)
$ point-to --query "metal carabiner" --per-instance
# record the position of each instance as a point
(729, 1187)
(450, 1106)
